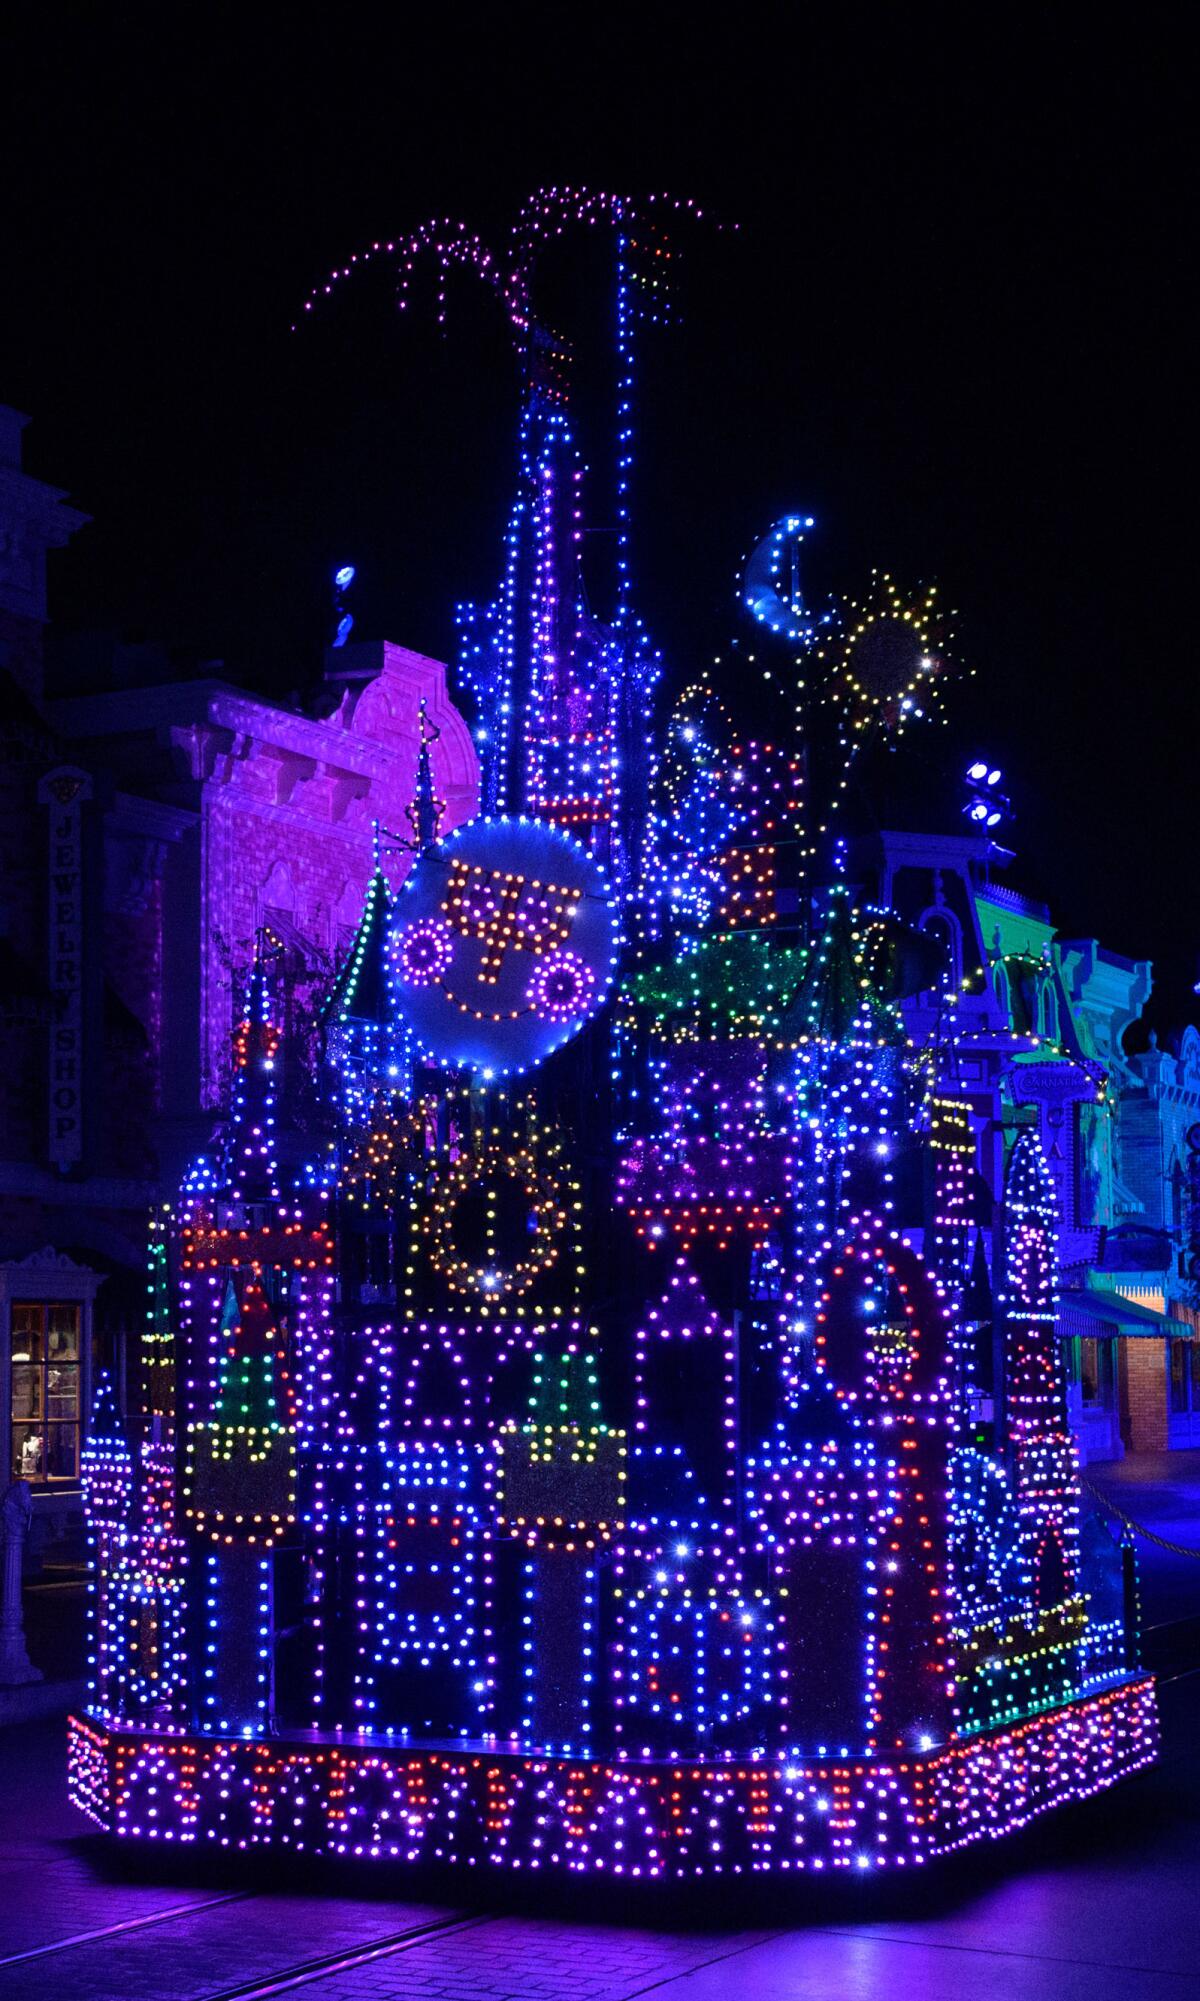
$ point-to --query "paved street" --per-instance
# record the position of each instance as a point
(1095, 1903)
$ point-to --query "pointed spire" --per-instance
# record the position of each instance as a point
(360, 993)
(838, 995)
(158, 1335)
(426, 809)
(830, 995)
(107, 1464)
(106, 1433)
(977, 1302)
(250, 1152)
(229, 1311)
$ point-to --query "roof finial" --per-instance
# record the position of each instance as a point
(251, 1137)
(425, 812)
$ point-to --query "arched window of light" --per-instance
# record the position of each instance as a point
(1002, 988)
(943, 926)
(1049, 1023)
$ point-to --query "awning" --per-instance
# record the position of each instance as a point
(1106, 1314)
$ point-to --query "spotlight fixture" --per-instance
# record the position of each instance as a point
(983, 806)
(343, 625)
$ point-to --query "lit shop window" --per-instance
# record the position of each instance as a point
(45, 1392)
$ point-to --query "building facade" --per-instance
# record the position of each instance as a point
(147, 836)
(1035, 1026)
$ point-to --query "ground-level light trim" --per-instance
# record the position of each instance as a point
(484, 1806)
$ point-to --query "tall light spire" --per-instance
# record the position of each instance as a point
(252, 1167)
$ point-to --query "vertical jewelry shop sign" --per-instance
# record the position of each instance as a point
(65, 792)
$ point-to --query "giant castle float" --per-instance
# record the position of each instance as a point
(626, 1444)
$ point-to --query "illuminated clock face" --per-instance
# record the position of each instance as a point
(504, 943)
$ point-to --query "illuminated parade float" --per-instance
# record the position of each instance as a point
(626, 1442)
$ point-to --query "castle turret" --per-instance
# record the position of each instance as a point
(129, 1505)
(240, 1490)
(1027, 1647)
(559, 1490)
(247, 1255)
(1041, 1450)
(108, 1492)
(161, 1550)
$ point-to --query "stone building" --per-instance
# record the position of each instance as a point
(236, 813)
(146, 834)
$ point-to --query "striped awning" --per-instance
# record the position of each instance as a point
(1093, 1314)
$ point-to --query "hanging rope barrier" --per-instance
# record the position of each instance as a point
(1138, 1528)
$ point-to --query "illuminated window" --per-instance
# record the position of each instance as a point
(1003, 990)
(1048, 1022)
(941, 926)
(45, 1392)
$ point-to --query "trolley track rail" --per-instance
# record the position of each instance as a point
(124, 1925)
(345, 1959)
(298, 1973)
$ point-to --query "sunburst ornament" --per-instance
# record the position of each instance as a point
(887, 662)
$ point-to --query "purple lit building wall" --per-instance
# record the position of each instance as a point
(147, 834)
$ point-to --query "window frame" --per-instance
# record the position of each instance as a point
(939, 915)
(41, 1419)
(46, 1279)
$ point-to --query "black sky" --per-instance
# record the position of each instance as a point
(952, 325)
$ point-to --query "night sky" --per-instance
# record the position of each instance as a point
(951, 324)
